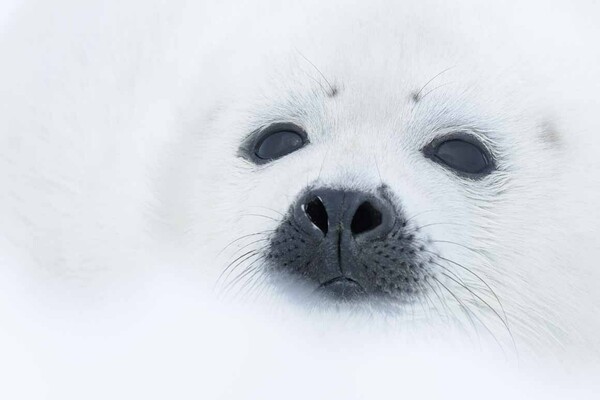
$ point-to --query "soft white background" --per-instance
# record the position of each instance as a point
(158, 338)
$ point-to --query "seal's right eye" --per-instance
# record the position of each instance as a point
(462, 153)
(278, 141)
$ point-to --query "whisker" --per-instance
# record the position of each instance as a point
(331, 87)
(315, 80)
(323, 164)
(260, 215)
(238, 261)
(417, 96)
(243, 237)
(254, 288)
(247, 284)
(269, 209)
(249, 269)
(479, 278)
(430, 304)
(261, 287)
(406, 221)
(435, 88)
(479, 253)
(487, 305)
(467, 309)
(248, 245)
(440, 299)
(378, 171)
(462, 283)
(442, 223)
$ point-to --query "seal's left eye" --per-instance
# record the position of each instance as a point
(278, 143)
(462, 154)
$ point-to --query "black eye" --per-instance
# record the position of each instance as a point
(277, 142)
(461, 154)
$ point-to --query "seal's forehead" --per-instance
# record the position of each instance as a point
(380, 65)
(379, 61)
(319, 93)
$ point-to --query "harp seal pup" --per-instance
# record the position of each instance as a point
(430, 162)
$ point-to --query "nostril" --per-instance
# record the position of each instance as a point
(365, 219)
(317, 214)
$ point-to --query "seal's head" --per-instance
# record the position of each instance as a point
(385, 158)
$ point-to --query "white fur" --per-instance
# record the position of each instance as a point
(121, 123)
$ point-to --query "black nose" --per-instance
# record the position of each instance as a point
(348, 213)
(347, 244)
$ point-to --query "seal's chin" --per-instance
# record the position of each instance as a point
(341, 293)
(342, 288)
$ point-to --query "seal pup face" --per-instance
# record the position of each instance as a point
(389, 161)
(376, 199)
(355, 244)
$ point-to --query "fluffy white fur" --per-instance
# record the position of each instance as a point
(121, 123)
